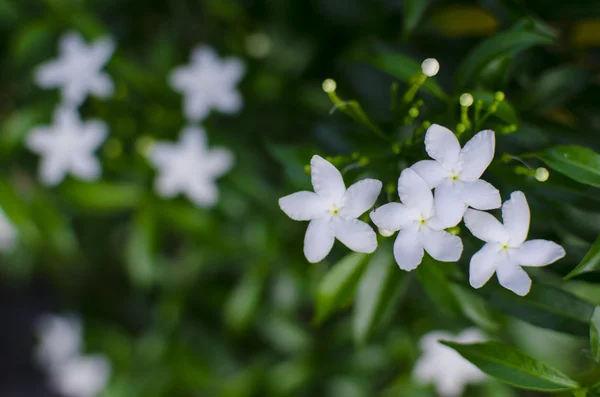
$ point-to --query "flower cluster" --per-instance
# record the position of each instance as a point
(422, 216)
(68, 145)
(71, 373)
(190, 167)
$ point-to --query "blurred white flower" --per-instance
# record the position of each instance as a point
(332, 211)
(59, 339)
(68, 146)
(8, 232)
(190, 167)
(208, 83)
(420, 228)
(81, 376)
(455, 173)
(506, 250)
(444, 367)
(78, 71)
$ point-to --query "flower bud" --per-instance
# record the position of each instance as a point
(385, 232)
(430, 67)
(466, 100)
(542, 174)
(329, 85)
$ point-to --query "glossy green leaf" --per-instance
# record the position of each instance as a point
(576, 162)
(140, 249)
(595, 334)
(56, 227)
(101, 196)
(244, 301)
(13, 205)
(509, 42)
(413, 13)
(437, 286)
(404, 69)
(544, 306)
(506, 112)
(339, 285)
(380, 287)
(590, 262)
(514, 367)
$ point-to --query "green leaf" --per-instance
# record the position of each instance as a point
(413, 12)
(57, 230)
(474, 307)
(514, 367)
(380, 288)
(244, 301)
(13, 205)
(505, 112)
(404, 69)
(576, 162)
(590, 262)
(140, 248)
(544, 306)
(101, 196)
(510, 42)
(339, 285)
(595, 334)
(554, 88)
(437, 286)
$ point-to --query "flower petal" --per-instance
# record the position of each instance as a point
(477, 155)
(513, 278)
(481, 195)
(53, 170)
(483, 265)
(485, 227)
(408, 248)
(442, 145)
(449, 205)
(228, 102)
(415, 193)
(356, 235)
(202, 193)
(318, 240)
(360, 197)
(431, 171)
(537, 253)
(393, 216)
(326, 179)
(218, 161)
(86, 167)
(39, 139)
(516, 216)
(303, 206)
(443, 246)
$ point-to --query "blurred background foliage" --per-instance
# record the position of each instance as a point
(192, 302)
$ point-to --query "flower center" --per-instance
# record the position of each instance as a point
(335, 211)
(454, 177)
(422, 222)
(504, 246)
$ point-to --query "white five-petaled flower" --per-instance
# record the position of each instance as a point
(420, 228)
(332, 211)
(59, 339)
(455, 173)
(444, 367)
(78, 71)
(8, 232)
(68, 146)
(209, 83)
(81, 376)
(506, 250)
(190, 167)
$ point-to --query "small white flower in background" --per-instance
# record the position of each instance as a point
(455, 173)
(59, 339)
(332, 211)
(190, 167)
(70, 373)
(420, 228)
(444, 367)
(506, 250)
(67, 147)
(209, 83)
(84, 376)
(8, 232)
(78, 71)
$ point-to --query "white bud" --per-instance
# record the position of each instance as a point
(466, 100)
(385, 232)
(542, 174)
(329, 85)
(430, 67)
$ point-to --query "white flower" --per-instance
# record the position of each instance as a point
(420, 228)
(68, 146)
(8, 232)
(78, 71)
(208, 83)
(59, 339)
(444, 367)
(455, 172)
(81, 376)
(190, 167)
(506, 250)
(332, 211)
